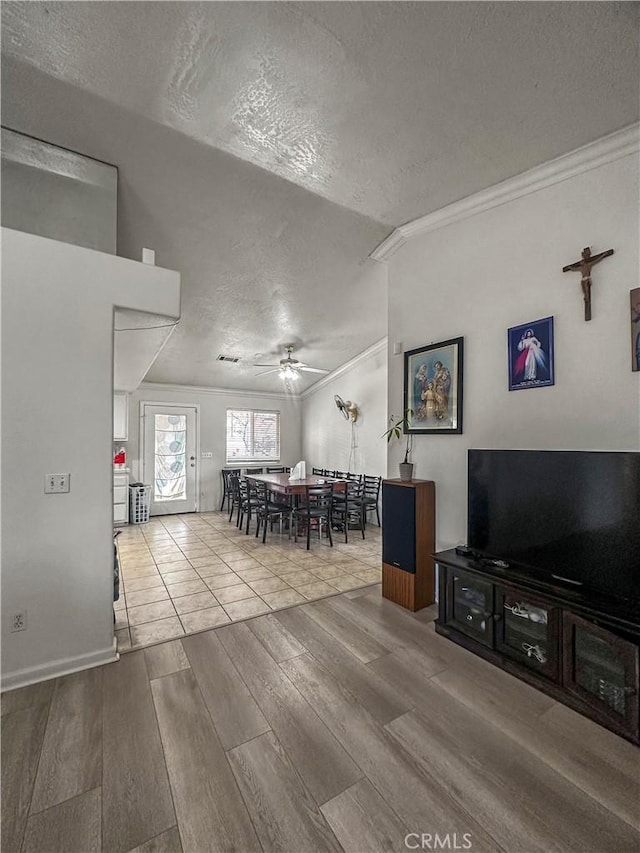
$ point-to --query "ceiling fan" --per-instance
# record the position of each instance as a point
(346, 408)
(289, 368)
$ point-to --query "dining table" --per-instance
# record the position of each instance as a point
(282, 485)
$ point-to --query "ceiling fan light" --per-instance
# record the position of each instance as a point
(288, 372)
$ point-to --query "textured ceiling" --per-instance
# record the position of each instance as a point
(372, 113)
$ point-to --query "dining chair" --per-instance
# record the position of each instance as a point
(278, 470)
(371, 496)
(233, 484)
(348, 508)
(249, 502)
(315, 510)
(226, 491)
(317, 472)
(267, 510)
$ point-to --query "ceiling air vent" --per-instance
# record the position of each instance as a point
(234, 359)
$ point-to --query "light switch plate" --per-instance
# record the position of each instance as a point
(56, 484)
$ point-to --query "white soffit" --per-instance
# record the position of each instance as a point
(622, 143)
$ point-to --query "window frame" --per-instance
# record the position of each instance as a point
(253, 459)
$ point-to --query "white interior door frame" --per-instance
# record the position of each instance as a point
(141, 439)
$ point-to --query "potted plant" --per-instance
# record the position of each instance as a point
(396, 428)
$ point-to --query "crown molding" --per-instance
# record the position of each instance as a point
(205, 389)
(379, 346)
(389, 245)
(608, 149)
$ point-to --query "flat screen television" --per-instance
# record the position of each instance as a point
(570, 517)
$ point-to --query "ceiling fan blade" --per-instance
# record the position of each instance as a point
(265, 372)
(265, 365)
(312, 369)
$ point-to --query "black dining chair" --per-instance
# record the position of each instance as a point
(348, 508)
(317, 472)
(268, 509)
(233, 484)
(279, 470)
(226, 491)
(314, 511)
(371, 496)
(249, 501)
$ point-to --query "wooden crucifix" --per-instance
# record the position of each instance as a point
(584, 267)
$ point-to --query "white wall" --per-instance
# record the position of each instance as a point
(501, 268)
(213, 405)
(57, 353)
(58, 193)
(326, 435)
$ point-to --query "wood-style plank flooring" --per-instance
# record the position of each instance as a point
(346, 724)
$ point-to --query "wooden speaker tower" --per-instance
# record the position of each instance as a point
(408, 541)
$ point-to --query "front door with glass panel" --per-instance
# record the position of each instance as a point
(170, 464)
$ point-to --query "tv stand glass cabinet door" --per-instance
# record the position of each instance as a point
(602, 670)
(469, 605)
(528, 631)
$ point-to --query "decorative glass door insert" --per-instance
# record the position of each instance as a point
(170, 468)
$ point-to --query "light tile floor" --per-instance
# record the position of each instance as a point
(185, 573)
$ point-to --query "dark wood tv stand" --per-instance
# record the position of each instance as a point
(582, 650)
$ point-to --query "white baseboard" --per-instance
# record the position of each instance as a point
(56, 668)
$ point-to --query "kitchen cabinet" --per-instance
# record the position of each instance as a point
(120, 497)
(120, 417)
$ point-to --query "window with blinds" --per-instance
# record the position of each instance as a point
(253, 436)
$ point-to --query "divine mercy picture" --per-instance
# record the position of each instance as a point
(635, 328)
(433, 387)
(531, 355)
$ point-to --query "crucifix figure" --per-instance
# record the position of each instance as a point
(584, 267)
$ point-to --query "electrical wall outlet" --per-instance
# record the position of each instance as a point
(56, 484)
(19, 621)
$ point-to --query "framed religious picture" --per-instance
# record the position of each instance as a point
(531, 355)
(635, 328)
(433, 387)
